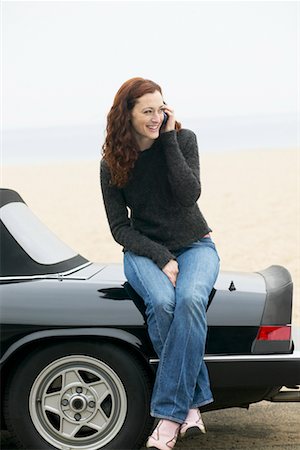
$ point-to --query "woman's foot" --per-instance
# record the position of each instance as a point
(193, 424)
(164, 436)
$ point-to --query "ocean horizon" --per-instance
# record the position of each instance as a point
(83, 142)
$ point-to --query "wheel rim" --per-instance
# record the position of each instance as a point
(78, 402)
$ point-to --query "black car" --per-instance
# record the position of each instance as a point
(77, 364)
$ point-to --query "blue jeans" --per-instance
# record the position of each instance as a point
(177, 325)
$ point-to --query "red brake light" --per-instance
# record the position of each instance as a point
(273, 333)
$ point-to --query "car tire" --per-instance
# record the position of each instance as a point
(79, 395)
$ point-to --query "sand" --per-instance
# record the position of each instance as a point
(250, 199)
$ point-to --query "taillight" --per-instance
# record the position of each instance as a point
(274, 333)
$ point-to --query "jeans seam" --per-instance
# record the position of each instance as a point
(148, 295)
(178, 382)
(201, 357)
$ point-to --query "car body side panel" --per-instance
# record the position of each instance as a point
(71, 302)
(138, 341)
(239, 299)
(96, 297)
(68, 303)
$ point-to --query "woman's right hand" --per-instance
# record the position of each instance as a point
(171, 270)
(170, 125)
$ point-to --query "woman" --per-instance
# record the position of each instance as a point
(151, 166)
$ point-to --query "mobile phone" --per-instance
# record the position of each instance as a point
(165, 119)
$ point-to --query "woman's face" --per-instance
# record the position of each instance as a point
(146, 118)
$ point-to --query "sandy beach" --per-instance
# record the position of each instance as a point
(250, 199)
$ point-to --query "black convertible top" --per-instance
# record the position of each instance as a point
(9, 196)
(27, 247)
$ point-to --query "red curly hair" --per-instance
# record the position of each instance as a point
(120, 149)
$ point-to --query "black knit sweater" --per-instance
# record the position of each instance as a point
(162, 198)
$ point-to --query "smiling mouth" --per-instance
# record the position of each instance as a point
(153, 128)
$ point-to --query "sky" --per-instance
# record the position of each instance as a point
(63, 61)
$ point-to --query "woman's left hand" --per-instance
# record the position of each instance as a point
(170, 125)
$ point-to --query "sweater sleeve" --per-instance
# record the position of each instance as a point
(120, 225)
(183, 165)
